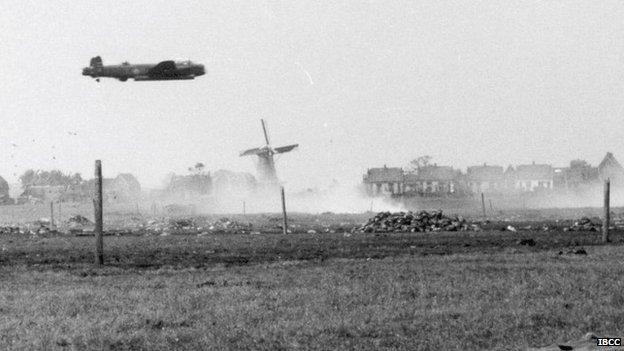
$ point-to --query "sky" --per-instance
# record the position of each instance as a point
(357, 84)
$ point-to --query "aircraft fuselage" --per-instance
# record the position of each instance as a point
(165, 70)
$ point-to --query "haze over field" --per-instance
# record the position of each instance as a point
(357, 84)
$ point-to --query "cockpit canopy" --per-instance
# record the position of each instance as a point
(183, 62)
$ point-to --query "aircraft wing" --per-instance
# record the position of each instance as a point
(254, 151)
(282, 149)
(163, 68)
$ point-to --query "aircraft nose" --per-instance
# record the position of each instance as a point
(200, 71)
(86, 71)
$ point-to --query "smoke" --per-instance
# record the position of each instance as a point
(237, 193)
(590, 197)
(341, 199)
(337, 199)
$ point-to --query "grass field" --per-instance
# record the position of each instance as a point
(422, 291)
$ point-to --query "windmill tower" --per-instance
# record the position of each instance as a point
(266, 163)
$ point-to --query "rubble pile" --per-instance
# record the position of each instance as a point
(225, 225)
(79, 220)
(618, 221)
(182, 224)
(422, 221)
(154, 226)
(190, 226)
(80, 225)
(43, 227)
(9, 230)
(584, 224)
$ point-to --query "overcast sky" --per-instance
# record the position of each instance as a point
(357, 84)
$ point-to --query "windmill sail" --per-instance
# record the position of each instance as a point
(266, 163)
(266, 134)
(282, 149)
(254, 151)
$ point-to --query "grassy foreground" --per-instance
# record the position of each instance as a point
(504, 299)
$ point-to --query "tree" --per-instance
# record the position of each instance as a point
(419, 162)
(28, 178)
(76, 179)
(53, 177)
(197, 169)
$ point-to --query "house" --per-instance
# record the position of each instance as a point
(125, 187)
(41, 193)
(578, 175)
(190, 185)
(610, 168)
(485, 179)
(384, 180)
(533, 177)
(433, 180)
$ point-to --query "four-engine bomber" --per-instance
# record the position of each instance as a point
(165, 70)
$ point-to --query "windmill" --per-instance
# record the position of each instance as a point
(266, 164)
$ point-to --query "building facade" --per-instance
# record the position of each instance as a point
(384, 181)
(532, 178)
(434, 180)
(485, 179)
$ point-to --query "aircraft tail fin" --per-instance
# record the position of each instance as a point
(96, 62)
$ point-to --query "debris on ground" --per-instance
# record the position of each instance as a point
(584, 224)
(225, 225)
(78, 219)
(526, 242)
(578, 251)
(588, 342)
(618, 221)
(422, 221)
(9, 230)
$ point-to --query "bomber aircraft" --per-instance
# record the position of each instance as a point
(165, 70)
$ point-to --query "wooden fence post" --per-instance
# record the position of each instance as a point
(483, 205)
(52, 213)
(285, 229)
(98, 204)
(606, 219)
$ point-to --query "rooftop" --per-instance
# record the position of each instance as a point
(384, 174)
(485, 173)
